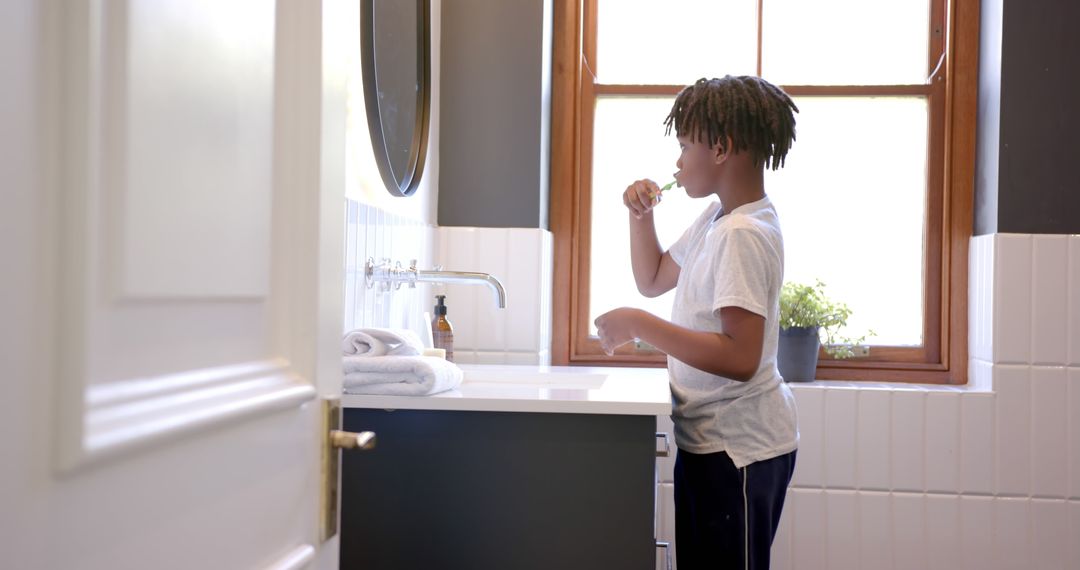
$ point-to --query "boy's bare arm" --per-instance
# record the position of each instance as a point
(655, 272)
(735, 353)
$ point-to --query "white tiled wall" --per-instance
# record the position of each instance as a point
(519, 258)
(984, 476)
(373, 233)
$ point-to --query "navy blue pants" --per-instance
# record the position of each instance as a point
(726, 518)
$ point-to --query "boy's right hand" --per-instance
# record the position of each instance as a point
(641, 197)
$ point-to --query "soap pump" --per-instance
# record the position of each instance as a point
(442, 332)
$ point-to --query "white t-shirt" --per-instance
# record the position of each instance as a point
(734, 260)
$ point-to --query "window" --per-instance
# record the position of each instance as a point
(875, 197)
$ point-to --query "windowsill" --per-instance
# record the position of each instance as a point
(970, 387)
(978, 382)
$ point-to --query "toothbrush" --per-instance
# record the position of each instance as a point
(663, 189)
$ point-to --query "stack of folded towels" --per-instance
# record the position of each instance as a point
(391, 362)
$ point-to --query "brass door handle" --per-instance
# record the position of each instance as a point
(351, 440)
(335, 439)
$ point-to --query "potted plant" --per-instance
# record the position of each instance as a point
(809, 320)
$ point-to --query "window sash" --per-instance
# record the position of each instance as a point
(951, 103)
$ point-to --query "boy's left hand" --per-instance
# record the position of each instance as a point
(617, 327)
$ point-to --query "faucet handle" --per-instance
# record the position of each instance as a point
(412, 273)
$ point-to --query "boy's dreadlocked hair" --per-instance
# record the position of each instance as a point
(756, 114)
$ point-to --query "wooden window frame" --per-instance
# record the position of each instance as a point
(950, 191)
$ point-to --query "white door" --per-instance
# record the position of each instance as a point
(171, 248)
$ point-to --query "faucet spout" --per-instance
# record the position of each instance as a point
(385, 274)
(466, 277)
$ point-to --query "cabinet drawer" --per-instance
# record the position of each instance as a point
(457, 489)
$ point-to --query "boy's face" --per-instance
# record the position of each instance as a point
(699, 166)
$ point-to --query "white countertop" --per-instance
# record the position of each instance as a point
(550, 389)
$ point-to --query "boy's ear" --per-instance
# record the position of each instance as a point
(720, 150)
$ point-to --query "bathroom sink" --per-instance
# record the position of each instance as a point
(532, 388)
(546, 377)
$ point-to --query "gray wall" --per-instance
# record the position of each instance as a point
(1027, 179)
(496, 107)
(495, 113)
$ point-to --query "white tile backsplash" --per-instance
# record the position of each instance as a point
(875, 530)
(1049, 432)
(840, 438)
(1012, 299)
(491, 254)
(1013, 429)
(909, 530)
(942, 441)
(1072, 448)
(981, 297)
(810, 463)
(1074, 534)
(781, 555)
(483, 333)
(977, 443)
(374, 234)
(462, 300)
(1050, 534)
(977, 533)
(942, 532)
(908, 440)
(1072, 302)
(842, 512)
(524, 272)
(873, 444)
(980, 375)
(1012, 533)
(809, 539)
(521, 259)
(1048, 298)
(999, 459)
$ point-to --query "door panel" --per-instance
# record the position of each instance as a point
(187, 145)
(181, 280)
(168, 192)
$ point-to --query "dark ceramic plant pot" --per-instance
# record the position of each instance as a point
(797, 353)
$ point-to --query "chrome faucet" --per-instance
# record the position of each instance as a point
(386, 274)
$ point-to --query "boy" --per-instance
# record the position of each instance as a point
(735, 422)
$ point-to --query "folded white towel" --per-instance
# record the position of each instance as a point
(400, 375)
(380, 342)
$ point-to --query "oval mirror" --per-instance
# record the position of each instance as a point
(395, 48)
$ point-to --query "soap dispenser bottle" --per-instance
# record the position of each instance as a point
(442, 332)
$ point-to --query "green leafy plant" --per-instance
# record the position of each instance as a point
(804, 305)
